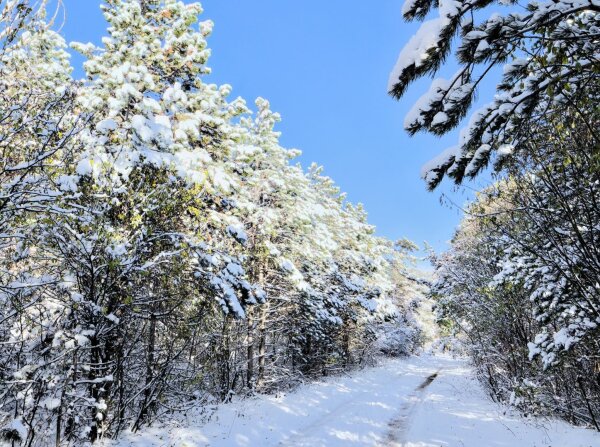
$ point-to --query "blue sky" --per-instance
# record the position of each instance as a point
(324, 66)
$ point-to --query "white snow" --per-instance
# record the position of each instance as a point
(415, 52)
(18, 426)
(116, 250)
(113, 318)
(562, 338)
(106, 125)
(439, 118)
(287, 265)
(84, 167)
(423, 104)
(67, 183)
(238, 233)
(235, 269)
(446, 157)
(506, 149)
(481, 47)
(377, 406)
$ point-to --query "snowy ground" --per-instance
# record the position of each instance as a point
(401, 403)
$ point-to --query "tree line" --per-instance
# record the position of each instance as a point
(520, 281)
(159, 249)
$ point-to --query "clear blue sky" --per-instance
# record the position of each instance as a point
(324, 66)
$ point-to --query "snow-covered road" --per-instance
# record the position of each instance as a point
(417, 402)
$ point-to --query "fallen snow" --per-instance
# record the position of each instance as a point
(381, 406)
(427, 38)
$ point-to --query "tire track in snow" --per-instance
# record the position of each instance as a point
(399, 426)
(304, 436)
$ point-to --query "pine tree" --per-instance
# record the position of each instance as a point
(37, 127)
(547, 54)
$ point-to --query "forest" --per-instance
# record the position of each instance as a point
(520, 283)
(161, 251)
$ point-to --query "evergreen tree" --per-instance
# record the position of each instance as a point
(548, 55)
(521, 278)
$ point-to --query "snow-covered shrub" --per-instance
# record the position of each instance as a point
(399, 339)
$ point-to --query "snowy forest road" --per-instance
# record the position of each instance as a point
(400, 425)
(426, 401)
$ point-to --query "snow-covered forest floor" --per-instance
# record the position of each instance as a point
(399, 403)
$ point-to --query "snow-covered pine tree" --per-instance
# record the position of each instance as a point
(36, 97)
(148, 241)
(554, 191)
(548, 52)
(520, 278)
(38, 125)
(281, 207)
(265, 204)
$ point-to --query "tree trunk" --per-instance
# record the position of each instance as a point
(250, 350)
(262, 328)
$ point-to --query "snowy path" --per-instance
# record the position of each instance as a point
(417, 402)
